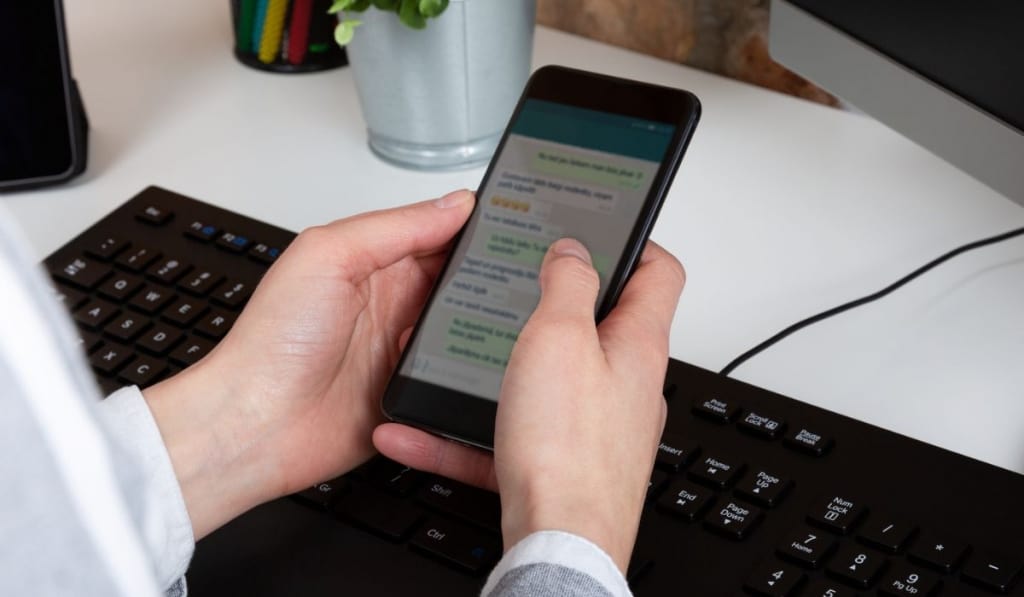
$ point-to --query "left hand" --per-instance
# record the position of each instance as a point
(290, 396)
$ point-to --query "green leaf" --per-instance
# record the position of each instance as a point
(432, 8)
(409, 13)
(359, 5)
(345, 30)
(339, 5)
(386, 4)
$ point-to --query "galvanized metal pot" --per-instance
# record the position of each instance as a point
(440, 97)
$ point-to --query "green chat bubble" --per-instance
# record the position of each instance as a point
(480, 342)
(529, 251)
(575, 167)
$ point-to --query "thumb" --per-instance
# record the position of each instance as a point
(568, 283)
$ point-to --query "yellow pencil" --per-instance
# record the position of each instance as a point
(273, 26)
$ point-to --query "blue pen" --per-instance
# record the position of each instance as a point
(257, 24)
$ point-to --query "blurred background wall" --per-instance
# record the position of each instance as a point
(728, 37)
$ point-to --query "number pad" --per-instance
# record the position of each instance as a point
(807, 546)
(774, 579)
(836, 513)
(905, 581)
(857, 565)
(826, 588)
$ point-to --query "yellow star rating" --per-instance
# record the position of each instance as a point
(510, 204)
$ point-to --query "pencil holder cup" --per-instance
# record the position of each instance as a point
(286, 36)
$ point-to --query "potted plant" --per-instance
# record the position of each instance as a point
(437, 79)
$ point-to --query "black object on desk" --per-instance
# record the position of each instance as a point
(753, 492)
(43, 127)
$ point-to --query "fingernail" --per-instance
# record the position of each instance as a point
(572, 248)
(453, 199)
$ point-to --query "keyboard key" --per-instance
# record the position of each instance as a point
(89, 341)
(191, 351)
(807, 547)
(154, 214)
(215, 324)
(322, 494)
(378, 512)
(809, 442)
(904, 580)
(939, 552)
(761, 425)
(127, 327)
(674, 452)
(658, 481)
(856, 565)
(233, 242)
(120, 286)
(185, 311)
(715, 471)
(394, 477)
(108, 248)
(763, 487)
(686, 500)
(469, 503)
(886, 533)
(733, 519)
(264, 253)
(152, 299)
(83, 273)
(836, 513)
(459, 545)
(232, 294)
(96, 313)
(200, 231)
(994, 572)
(716, 409)
(825, 587)
(201, 282)
(137, 259)
(111, 358)
(69, 297)
(143, 371)
(160, 339)
(774, 579)
(168, 271)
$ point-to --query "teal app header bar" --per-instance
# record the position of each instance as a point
(591, 129)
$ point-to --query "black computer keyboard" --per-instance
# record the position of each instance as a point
(753, 492)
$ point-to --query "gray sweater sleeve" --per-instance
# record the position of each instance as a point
(540, 580)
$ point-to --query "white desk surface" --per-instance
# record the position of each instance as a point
(782, 208)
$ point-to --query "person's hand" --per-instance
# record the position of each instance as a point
(291, 395)
(581, 409)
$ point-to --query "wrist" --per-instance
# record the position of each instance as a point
(211, 455)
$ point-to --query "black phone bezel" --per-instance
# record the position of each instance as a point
(470, 419)
(74, 113)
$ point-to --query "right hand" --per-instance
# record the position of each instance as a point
(581, 408)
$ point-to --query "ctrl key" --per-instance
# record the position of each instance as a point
(458, 545)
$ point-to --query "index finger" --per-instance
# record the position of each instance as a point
(641, 321)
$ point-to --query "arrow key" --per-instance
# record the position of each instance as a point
(856, 565)
(773, 579)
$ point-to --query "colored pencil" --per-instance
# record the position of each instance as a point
(257, 24)
(273, 26)
(246, 16)
(298, 33)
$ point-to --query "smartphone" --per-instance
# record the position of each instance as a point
(585, 155)
(43, 128)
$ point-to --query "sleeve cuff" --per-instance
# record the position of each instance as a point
(166, 526)
(563, 549)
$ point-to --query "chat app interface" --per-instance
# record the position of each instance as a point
(564, 171)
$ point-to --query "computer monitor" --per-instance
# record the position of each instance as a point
(948, 74)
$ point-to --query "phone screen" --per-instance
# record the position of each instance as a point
(35, 136)
(562, 171)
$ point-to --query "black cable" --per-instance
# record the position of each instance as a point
(867, 299)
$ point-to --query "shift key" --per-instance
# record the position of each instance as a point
(474, 505)
(457, 544)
